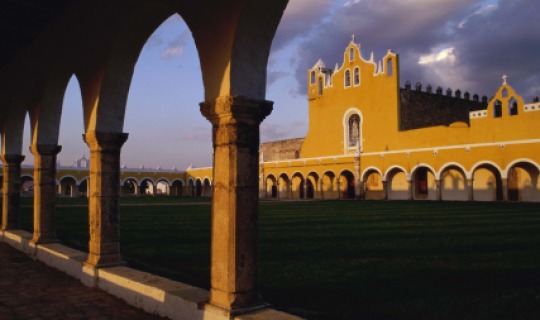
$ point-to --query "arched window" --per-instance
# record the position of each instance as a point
(497, 109)
(312, 78)
(354, 131)
(320, 85)
(347, 78)
(351, 54)
(512, 107)
(356, 76)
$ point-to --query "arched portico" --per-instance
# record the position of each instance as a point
(284, 186)
(312, 186)
(233, 67)
(177, 188)
(328, 186)
(298, 185)
(398, 186)
(373, 184)
(346, 185)
(454, 184)
(522, 181)
(67, 187)
(271, 187)
(424, 184)
(487, 183)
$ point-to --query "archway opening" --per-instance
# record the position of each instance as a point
(487, 183)
(454, 184)
(346, 185)
(523, 183)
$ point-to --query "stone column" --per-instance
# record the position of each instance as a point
(504, 182)
(321, 188)
(438, 190)
(44, 192)
(338, 189)
(103, 203)
(289, 189)
(470, 191)
(235, 132)
(11, 190)
(410, 187)
(385, 189)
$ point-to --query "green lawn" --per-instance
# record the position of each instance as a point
(349, 259)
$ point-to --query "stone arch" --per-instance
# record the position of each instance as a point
(67, 186)
(207, 187)
(271, 186)
(328, 185)
(163, 186)
(146, 186)
(27, 185)
(372, 183)
(346, 185)
(177, 188)
(397, 183)
(198, 187)
(453, 182)
(284, 188)
(423, 179)
(298, 183)
(312, 185)
(130, 186)
(487, 182)
(523, 181)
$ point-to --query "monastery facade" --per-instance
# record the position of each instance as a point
(370, 139)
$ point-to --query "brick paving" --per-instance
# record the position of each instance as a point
(29, 290)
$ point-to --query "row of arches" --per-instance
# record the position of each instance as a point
(70, 186)
(519, 181)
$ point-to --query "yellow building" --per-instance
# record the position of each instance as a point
(370, 139)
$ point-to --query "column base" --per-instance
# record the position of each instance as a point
(219, 312)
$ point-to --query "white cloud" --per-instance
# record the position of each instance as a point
(446, 55)
(172, 52)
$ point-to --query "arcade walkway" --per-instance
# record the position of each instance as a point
(30, 290)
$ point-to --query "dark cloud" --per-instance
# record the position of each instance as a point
(274, 76)
(487, 40)
(505, 40)
(299, 20)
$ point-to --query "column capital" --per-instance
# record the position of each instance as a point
(12, 159)
(45, 149)
(101, 141)
(236, 108)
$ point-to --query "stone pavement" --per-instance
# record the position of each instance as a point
(30, 290)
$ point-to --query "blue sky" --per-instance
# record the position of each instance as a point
(465, 44)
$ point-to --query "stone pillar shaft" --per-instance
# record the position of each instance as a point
(11, 190)
(103, 203)
(504, 186)
(44, 192)
(470, 190)
(385, 189)
(235, 127)
(438, 190)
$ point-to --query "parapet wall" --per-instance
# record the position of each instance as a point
(281, 150)
(420, 109)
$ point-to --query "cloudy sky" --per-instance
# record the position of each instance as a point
(465, 44)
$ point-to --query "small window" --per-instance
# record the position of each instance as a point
(512, 107)
(497, 109)
(351, 54)
(504, 93)
(389, 68)
(356, 76)
(347, 78)
(320, 85)
(312, 80)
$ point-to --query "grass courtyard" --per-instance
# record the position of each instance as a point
(348, 259)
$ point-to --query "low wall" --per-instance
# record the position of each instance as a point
(153, 294)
